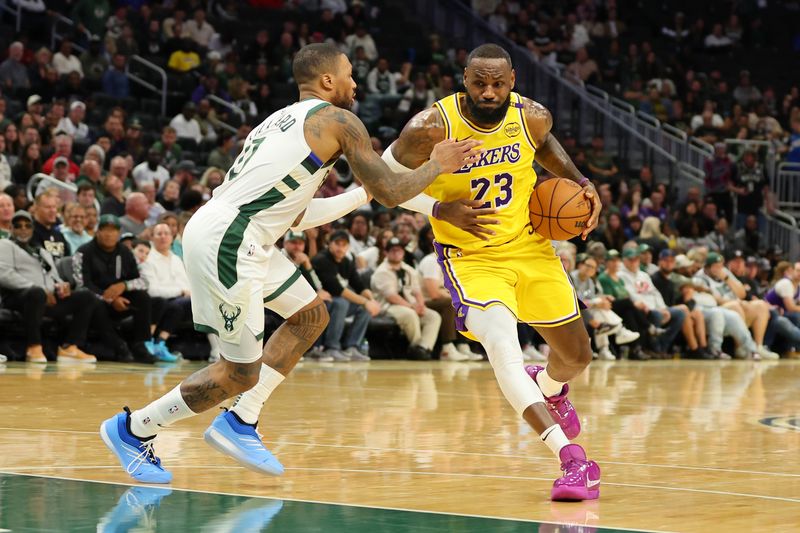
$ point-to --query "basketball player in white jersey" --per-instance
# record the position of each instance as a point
(235, 271)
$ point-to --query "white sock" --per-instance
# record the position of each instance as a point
(555, 439)
(548, 385)
(248, 405)
(165, 411)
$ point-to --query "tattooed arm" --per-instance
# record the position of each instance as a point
(333, 130)
(552, 156)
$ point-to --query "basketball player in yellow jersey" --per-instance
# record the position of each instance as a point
(497, 269)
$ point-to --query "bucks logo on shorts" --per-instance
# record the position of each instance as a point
(229, 314)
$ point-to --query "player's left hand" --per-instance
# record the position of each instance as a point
(591, 194)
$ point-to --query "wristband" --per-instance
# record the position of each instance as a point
(436, 207)
(583, 181)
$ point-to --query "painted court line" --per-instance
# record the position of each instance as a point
(449, 452)
(339, 504)
(446, 474)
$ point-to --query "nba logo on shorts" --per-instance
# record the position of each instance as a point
(251, 250)
(173, 409)
(146, 420)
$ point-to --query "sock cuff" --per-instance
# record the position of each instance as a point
(270, 376)
(177, 397)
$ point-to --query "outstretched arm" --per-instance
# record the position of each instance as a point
(552, 156)
(323, 210)
(388, 187)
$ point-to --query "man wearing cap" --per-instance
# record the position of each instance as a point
(646, 258)
(186, 127)
(30, 283)
(647, 299)
(185, 174)
(109, 270)
(338, 275)
(397, 288)
(73, 124)
(294, 247)
(63, 148)
(727, 292)
(635, 319)
(676, 290)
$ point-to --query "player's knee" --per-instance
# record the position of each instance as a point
(313, 319)
(243, 376)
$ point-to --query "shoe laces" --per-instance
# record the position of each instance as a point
(147, 454)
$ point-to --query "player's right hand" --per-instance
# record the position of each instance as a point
(469, 216)
(452, 155)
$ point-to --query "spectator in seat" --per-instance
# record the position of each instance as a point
(185, 125)
(150, 170)
(115, 80)
(717, 40)
(13, 73)
(647, 299)
(73, 124)
(727, 291)
(751, 187)
(749, 238)
(380, 80)
(338, 276)
(417, 97)
(600, 163)
(744, 93)
(63, 148)
(60, 173)
(90, 182)
(65, 62)
(185, 57)
(114, 202)
(45, 226)
(198, 29)
(363, 39)
(137, 210)
(360, 239)
(6, 213)
(601, 318)
(720, 179)
(74, 229)
(584, 68)
(154, 209)
(171, 151)
(109, 270)
(398, 289)
(29, 283)
(168, 287)
(220, 156)
(28, 164)
(370, 258)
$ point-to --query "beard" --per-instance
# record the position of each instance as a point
(344, 100)
(488, 116)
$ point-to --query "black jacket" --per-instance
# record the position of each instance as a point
(97, 269)
(335, 277)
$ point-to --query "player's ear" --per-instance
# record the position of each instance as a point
(513, 78)
(327, 81)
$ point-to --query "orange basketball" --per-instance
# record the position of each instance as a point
(558, 209)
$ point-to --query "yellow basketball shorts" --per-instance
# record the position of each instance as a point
(525, 275)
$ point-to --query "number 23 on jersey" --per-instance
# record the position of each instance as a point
(494, 192)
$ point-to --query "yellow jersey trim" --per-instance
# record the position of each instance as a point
(447, 128)
(470, 124)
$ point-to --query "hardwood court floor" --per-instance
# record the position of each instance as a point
(683, 445)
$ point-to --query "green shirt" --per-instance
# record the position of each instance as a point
(4, 234)
(613, 288)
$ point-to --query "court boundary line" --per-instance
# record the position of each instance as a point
(456, 475)
(478, 454)
(340, 504)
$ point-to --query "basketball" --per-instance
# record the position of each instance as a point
(558, 210)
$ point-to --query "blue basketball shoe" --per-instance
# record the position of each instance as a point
(229, 435)
(136, 456)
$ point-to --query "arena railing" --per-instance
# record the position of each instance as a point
(56, 35)
(786, 186)
(219, 101)
(15, 11)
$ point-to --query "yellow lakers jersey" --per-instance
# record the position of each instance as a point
(503, 178)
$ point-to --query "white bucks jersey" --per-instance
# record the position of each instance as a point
(274, 177)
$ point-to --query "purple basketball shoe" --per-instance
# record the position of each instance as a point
(560, 407)
(581, 479)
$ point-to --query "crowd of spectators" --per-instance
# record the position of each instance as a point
(109, 243)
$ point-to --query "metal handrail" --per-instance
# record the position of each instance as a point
(39, 177)
(599, 93)
(675, 132)
(217, 100)
(17, 13)
(789, 166)
(55, 35)
(146, 84)
(623, 105)
(649, 119)
(700, 143)
(789, 219)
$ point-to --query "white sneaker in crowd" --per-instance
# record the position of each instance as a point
(464, 348)
(450, 353)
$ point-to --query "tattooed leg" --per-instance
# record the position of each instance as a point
(295, 336)
(208, 387)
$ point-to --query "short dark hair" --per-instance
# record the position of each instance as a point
(313, 60)
(85, 187)
(489, 51)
